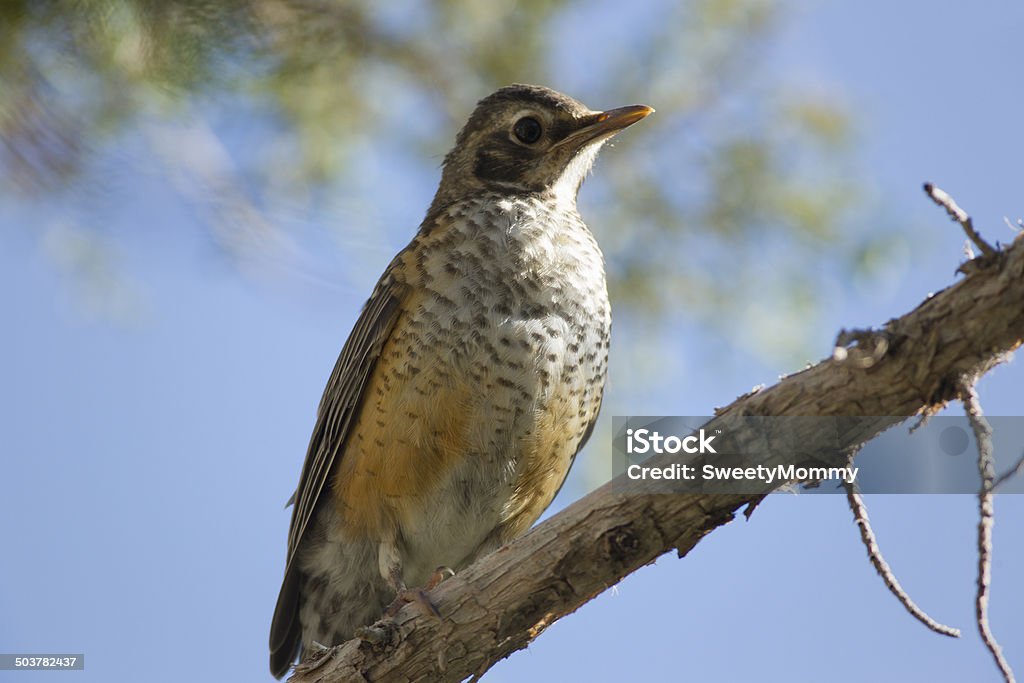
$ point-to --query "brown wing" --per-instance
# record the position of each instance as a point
(338, 409)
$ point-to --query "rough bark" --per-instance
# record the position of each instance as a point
(913, 365)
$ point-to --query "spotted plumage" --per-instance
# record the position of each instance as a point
(470, 381)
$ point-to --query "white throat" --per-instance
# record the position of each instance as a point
(568, 184)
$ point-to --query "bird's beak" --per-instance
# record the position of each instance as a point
(605, 124)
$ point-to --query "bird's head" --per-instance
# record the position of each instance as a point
(527, 139)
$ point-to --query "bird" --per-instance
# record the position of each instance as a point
(471, 379)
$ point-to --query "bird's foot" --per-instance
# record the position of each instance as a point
(316, 648)
(439, 575)
(411, 595)
(314, 655)
(418, 596)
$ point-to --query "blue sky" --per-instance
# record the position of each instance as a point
(147, 464)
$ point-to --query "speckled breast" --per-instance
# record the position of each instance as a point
(490, 381)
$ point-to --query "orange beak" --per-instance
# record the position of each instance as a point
(606, 124)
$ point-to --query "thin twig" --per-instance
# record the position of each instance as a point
(943, 199)
(921, 422)
(867, 535)
(1017, 469)
(986, 468)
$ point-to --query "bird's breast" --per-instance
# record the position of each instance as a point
(487, 385)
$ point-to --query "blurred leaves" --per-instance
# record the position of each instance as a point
(743, 182)
(86, 258)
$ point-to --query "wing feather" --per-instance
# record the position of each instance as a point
(338, 409)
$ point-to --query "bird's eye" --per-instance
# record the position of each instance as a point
(527, 129)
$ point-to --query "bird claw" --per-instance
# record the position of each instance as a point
(439, 575)
(316, 648)
(404, 595)
(314, 655)
(412, 595)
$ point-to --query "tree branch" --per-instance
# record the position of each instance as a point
(860, 515)
(505, 600)
(986, 508)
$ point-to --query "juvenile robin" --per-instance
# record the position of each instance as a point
(470, 381)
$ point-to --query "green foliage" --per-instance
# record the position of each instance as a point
(741, 175)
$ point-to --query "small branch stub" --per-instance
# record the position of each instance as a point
(942, 198)
(871, 347)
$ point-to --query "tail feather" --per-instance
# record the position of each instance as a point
(285, 632)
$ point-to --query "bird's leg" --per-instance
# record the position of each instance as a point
(389, 562)
(390, 565)
(396, 581)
